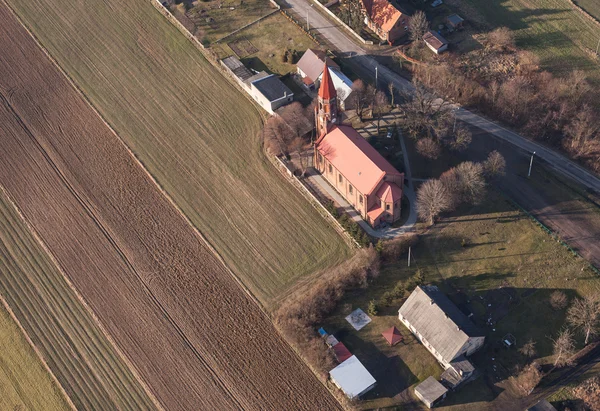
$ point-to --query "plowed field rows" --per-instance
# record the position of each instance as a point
(63, 331)
(195, 133)
(195, 337)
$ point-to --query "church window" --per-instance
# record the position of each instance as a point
(387, 207)
(350, 189)
(360, 199)
(340, 178)
(330, 168)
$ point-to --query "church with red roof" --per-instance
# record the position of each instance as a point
(351, 165)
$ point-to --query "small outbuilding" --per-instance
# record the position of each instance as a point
(542, 405)
(341, 352)
(430, 392)
(435, 42)
(392, 336)
(270, 92)
(454, 22)
(352, 378)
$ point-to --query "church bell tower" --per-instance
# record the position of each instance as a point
(326, 112)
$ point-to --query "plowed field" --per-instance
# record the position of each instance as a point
(195, 337)
(193, 131)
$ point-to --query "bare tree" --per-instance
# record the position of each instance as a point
(583, 135)
(564, 348)
(418, 26)
(380, 104)
(298, 147)
(528, 349)
(501, 39)
(276, 134)
(429, 148)
(494, 165)
(392, 90)
(584, 314)
(432, 199)
(558, 300)
(461, 139)
(360, 101)
(472, 183)
(529, 378)
(451, 180)
(425, 114)
(295, 116)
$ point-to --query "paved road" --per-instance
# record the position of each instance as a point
(365, 65)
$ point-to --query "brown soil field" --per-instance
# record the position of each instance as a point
(192, 333)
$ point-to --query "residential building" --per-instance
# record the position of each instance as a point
(352, 378)
(435, 42)
(542, 405)
(361, 175)
(389, 23)
(444, 330)
(271, 93)
(430, 392)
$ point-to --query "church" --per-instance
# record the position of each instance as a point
(351, 165)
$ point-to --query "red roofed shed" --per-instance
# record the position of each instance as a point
(392, 336)
(341, 352)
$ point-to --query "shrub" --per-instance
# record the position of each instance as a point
(558, 300)
(373, 309)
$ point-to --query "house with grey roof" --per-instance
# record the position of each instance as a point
(430, 392)
(311, 64)
(271, 93)
(444, 330)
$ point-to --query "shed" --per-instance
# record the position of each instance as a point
(430, 392)
(392, 336)
(352, 378)
(341, 352)
(454, 21)
(435, 42)
(542, 405)
(271, 93)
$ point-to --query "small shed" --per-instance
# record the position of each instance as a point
(430, 392)
(454, 22)
(352, 378)
(542, 405)
(341, 352)
(392, 336)
(270, 92)
(435, 42)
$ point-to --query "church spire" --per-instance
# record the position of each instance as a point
(326, 112)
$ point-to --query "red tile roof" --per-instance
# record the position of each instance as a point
(389, 193)
(382, 13)
(327, 89)
(341, 352)
(375, 212)
(355, 158)
(392, 336)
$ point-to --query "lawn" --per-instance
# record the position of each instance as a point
(194, 132)
(560, 35)
(591, 6)
(270, 38)
(65, 334)
(24, 382)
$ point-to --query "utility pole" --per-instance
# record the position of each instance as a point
(307, 23)
(409, 256)
(376, 77)
(530, 164)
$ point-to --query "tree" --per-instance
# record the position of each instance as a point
(564, 348)
(351, 14)
(380, 104)
(584, 314)
(583, 135)
(429, 148)
(529, 378)
(372, 309)
(359, 89)
(297, 146)
(471, 182)
(391, 89)
(276, 135)
(432, 199)
(528, 349)
(494, 165)
(501, 39)
(558, 300)
(461, 139)
(418, 26)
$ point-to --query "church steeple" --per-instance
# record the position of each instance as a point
(326, 111)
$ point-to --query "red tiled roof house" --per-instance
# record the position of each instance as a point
(352, 166)
(385, 20)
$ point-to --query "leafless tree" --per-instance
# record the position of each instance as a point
(558, 300)
(429, 148)
(418, 26)
(529, 378)
(584, 314)
(451, 180)
(501, 39)
(472, 183)
(276, 134)
(295, 116)
(432, 199)
(392, 91)
(564, 348)
(528, 349)
(360, 101)
(494, 165)
(298, 146)
(460, 139)
(583, 135)
(426, 115)
(380, 105)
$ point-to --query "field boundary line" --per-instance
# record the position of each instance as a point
(37, 353)
(81, 300)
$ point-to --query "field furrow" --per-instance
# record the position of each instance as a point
(193, 334)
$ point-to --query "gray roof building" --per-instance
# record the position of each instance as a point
(430, 391)
(272, 88)
(435, 42)
(542, 405)
(454, 21)
(311, 64)
(237, 68)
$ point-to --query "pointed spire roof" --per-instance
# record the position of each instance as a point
(327, 89)
(392, 336)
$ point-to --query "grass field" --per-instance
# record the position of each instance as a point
(195, 133)
(83, 360)
(591, 6)
(24, 382)
(560, 35)
(270, 37)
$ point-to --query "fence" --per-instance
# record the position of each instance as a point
(300, 26)
(336, 18)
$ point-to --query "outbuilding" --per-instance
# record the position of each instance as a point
(435, 42)
(542, 405)
(352, 378)
(271, 93)
(430, 392)
(454, 22)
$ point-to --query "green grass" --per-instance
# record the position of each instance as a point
(24, 382)
(63, 331)
(196, 134)
(271, 37)
(591, 6)
(560, 35)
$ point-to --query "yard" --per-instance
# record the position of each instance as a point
(492, 261)
(195, 133)
(591, 6)
(261, 46)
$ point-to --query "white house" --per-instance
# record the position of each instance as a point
(435, 42)
(342, 84)
(352, 378)
(271, 93)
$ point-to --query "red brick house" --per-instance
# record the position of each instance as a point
(389, 23)
(352, 166)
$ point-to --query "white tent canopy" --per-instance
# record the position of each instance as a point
(352, 377)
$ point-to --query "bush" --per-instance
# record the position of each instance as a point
(373, 309)
(558, 300)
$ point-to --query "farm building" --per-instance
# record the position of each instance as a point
(542, 405)
(454, 22)
(353, 166)
(381, 16)
(430, 392)
(435, 42)
(271, 93)
(444, 330)
(352, 378)
(310, 66)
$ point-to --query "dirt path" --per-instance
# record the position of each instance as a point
(195, 337)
